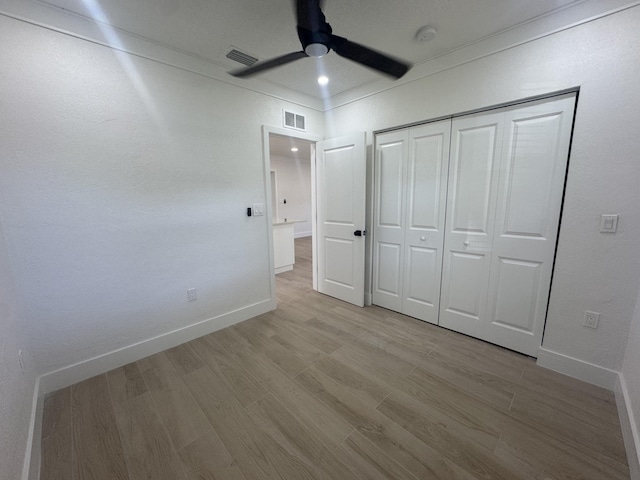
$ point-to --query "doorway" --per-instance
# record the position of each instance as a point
(290, 168)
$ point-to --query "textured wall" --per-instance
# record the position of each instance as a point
(16, 386)
(294, 184)
(594, 271)
(123, 183)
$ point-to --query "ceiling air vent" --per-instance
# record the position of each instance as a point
(293, 120)
(241, 57)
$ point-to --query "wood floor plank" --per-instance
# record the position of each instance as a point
(308, 352)
(549, 416)
(371, 463)
(184, 359)
(367, 390)
(479, 382)
(539, 454)
(179, 412)
(296, 399)
(474, 457)
(302, 442)
(402, 408)
(256, 456)
(206, 458)
(57, 412)
(243, 386)
(419, 458)
(278, 354)
(97, 451)
(126, 383)
(307, 332)
(56, 460)
(147, 448)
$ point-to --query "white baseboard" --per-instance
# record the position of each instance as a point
(71, 374)
(302, 234)
(629, 427)
(573, 367)
(32, 454)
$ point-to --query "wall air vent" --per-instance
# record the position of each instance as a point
(241, 57)
(293, 120)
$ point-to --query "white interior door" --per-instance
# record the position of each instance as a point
(340, 181)
(411, 180)
(506, 181)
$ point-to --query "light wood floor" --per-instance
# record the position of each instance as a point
(319, 389)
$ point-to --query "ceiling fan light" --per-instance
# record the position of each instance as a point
(323, 80)
(316, 50)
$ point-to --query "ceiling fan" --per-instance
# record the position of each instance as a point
(317, 40)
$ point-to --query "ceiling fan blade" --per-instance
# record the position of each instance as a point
(309, 14)
(268, 64)
(368, 57)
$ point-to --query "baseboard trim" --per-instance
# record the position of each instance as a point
(32, 455)
(302, 234)
(629, 427)
(75, 373)
(573, 367)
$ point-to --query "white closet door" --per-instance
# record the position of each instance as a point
(426, 192)
(410, 192)
(473, 176)
(390, 165)
(532, 174)
(506, 182)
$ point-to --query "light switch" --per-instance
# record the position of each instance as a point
(609, 223)
(258, 209)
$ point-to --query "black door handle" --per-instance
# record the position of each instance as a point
(360, 233)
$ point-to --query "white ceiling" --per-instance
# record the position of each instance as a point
(281, 146)
(208, 28)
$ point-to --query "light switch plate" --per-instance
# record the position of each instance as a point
(258, 209)
(609, 223)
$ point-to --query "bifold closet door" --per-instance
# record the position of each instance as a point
(410, 191)
(506, 180)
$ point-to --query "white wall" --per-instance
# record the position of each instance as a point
(294, 185)
(123, 183)
(594, 271)
(16, 387)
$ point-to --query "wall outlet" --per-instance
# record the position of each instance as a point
(591, 319)
(192, 295)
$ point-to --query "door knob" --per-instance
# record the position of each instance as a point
(360, 233)
(423, 238)
(466, 243)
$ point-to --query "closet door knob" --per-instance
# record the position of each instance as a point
(466, 243)
(423, 238)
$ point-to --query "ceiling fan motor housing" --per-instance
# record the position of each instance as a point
(315, 44)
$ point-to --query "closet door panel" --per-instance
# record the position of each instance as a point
(389, 219)
(473, 175)
(427, 170)
(536, 148)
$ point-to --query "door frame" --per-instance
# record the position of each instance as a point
(267, 130)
